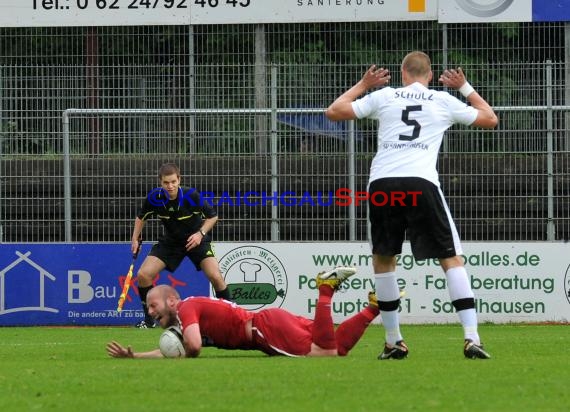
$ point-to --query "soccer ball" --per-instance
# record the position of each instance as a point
(170, 343)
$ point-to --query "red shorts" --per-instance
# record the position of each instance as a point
(278, 332)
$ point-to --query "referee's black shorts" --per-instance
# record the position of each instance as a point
(173, 254)
(396, 206)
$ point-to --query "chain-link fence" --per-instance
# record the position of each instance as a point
(88, 114)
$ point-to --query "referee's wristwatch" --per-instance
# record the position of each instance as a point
(202, 233)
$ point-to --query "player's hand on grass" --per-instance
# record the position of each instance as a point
(116, 350)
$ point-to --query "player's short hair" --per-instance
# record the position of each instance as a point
(417, 64)
(168, 169)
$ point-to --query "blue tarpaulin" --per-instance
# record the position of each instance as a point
(318, 124)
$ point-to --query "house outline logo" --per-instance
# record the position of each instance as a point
(24, 258)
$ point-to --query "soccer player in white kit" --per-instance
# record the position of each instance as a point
(412, 122)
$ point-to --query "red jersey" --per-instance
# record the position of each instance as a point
(274, 331)
(221, 321)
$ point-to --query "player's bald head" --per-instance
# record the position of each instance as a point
(417, 64)
(163, 291)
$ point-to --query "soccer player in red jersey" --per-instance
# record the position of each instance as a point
(274, 331)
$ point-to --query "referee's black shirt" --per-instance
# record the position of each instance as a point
(180, 217)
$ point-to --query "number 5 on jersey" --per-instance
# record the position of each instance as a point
(411, 122)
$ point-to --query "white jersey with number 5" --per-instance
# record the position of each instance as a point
(412, 121)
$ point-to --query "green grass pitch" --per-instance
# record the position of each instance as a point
(67, 369)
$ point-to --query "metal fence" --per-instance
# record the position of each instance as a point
(87, 115)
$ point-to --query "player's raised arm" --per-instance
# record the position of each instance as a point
(341, 108)
(455, 79)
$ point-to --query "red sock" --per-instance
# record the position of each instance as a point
(323, 328)
(351, 330)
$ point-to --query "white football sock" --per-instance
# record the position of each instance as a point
(459, 288)
(387, 290)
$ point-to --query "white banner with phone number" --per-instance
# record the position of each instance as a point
(67, 13)
(513, 282)
(33, 13)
